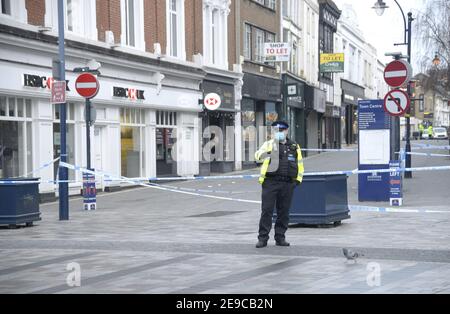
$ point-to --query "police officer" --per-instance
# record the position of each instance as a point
(281, 171)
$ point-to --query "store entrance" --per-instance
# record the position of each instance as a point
(165, 140)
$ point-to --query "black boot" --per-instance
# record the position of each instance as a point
(282, 243)
(261, 244)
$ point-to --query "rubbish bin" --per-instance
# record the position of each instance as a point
(19, 201)
(320, 200)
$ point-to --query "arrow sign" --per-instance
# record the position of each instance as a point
(397, 73)
(396, 102)
(87, 85)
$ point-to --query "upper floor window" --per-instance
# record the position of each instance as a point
(6, 7)
(271, 4)
(215, 32)
(133, 23)
(15, 9)
(175, 29)
(255, 37)
(80, 17)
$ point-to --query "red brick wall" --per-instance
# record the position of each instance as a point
(36, 12)
(193, 28)
(232, 35)
(108, 19)
(155, 24)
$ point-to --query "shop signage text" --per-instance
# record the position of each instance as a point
(332, 62)
(130, 93)
(37, 81)
(277, 52)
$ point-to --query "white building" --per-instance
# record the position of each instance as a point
(362, 78)
(441, 110)
(144, 103)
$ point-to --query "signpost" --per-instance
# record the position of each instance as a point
(374, 150)
(87, 86)
(395, 184)
(396, 102)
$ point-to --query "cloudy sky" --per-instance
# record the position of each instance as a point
(383, 31)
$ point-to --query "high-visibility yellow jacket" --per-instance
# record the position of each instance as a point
(430, 130)
(263, 154)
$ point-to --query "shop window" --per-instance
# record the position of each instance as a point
(16, 157)
(70, 137)
(131, 142)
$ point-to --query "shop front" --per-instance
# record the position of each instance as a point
(351, 94)
(315, 105)
(261, 106)
(218, 128)
(137, 130)
(333, 126)
(294, 106)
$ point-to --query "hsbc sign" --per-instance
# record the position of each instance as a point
(37, 81)
(129, 93)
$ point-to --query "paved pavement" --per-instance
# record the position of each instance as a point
(148, 241)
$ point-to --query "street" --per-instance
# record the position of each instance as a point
(143, 240)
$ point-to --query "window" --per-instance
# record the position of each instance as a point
(129, 23)
(16, 157)
(248, 42)
(6, 7)
(70, 138)
(132, 140)
(132, 17)
(80, 17)
(256, 37)
(286, 13)
(271, 4)
(215, 32)
(175, 28)
(259, 46)
(294, 58)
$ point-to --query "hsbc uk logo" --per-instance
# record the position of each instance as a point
(130, 93)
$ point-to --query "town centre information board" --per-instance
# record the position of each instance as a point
(374, 150)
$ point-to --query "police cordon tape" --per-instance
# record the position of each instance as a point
(328, 150)
(46, 165)
(429, 146)
(152, 186)
(427, 154)
(163, 188)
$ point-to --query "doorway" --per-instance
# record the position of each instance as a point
(165, 140)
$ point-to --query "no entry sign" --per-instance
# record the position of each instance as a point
(397, 73)
(87, 85)
(396, 102)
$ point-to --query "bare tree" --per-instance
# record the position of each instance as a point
(433, 29)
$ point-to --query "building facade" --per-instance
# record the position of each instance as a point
(158, 60)
(327, 113)
(257, 22)
(362, 77)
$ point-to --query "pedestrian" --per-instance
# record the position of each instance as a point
(281, 171)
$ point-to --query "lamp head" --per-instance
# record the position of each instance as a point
(379, 7)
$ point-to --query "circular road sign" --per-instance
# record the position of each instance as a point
(396, 102)
(397, 73)
(212, 101)
(87, 85)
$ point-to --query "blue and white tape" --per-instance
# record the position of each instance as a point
(428, 154)
(429, 146)
(46, 165)
(328, 150)
(358, 208)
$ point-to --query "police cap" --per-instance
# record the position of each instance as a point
(281, 125)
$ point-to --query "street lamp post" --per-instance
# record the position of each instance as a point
(379, 7)
(63, 172)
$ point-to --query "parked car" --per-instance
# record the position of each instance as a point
(440, 133)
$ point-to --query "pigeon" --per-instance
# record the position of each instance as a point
(350, 255)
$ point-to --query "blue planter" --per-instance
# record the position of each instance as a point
(320, 200)
(19, 202)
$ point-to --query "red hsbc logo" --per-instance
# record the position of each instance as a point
(130, 93)
(212, 101)
(40, 82)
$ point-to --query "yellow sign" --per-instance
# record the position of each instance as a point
(332, 62)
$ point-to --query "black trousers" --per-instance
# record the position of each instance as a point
(280, 194)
